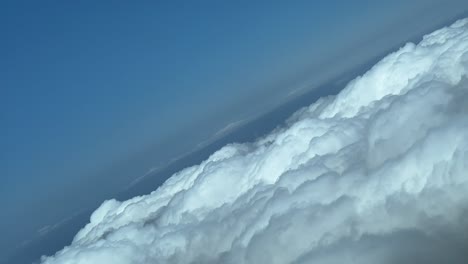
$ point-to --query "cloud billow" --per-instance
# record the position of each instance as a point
(376, 174)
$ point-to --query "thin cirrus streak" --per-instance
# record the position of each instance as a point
(376, 174)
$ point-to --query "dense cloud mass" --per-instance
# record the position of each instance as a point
(376, 174)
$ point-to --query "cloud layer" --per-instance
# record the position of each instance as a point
(376, 174)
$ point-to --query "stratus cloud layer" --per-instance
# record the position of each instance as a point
(377, 174)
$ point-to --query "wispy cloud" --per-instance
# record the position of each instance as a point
(150, 171)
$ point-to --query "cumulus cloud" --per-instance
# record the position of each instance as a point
(376, 174)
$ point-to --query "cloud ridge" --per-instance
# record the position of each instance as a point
(376, 174)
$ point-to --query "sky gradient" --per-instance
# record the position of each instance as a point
(86, 87)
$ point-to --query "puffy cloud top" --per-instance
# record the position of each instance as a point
(377, 174)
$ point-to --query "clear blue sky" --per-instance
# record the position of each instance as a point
(85, 85)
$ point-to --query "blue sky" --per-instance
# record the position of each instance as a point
(86, 86)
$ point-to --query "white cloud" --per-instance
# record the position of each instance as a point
(230, 127)
(377, 174)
